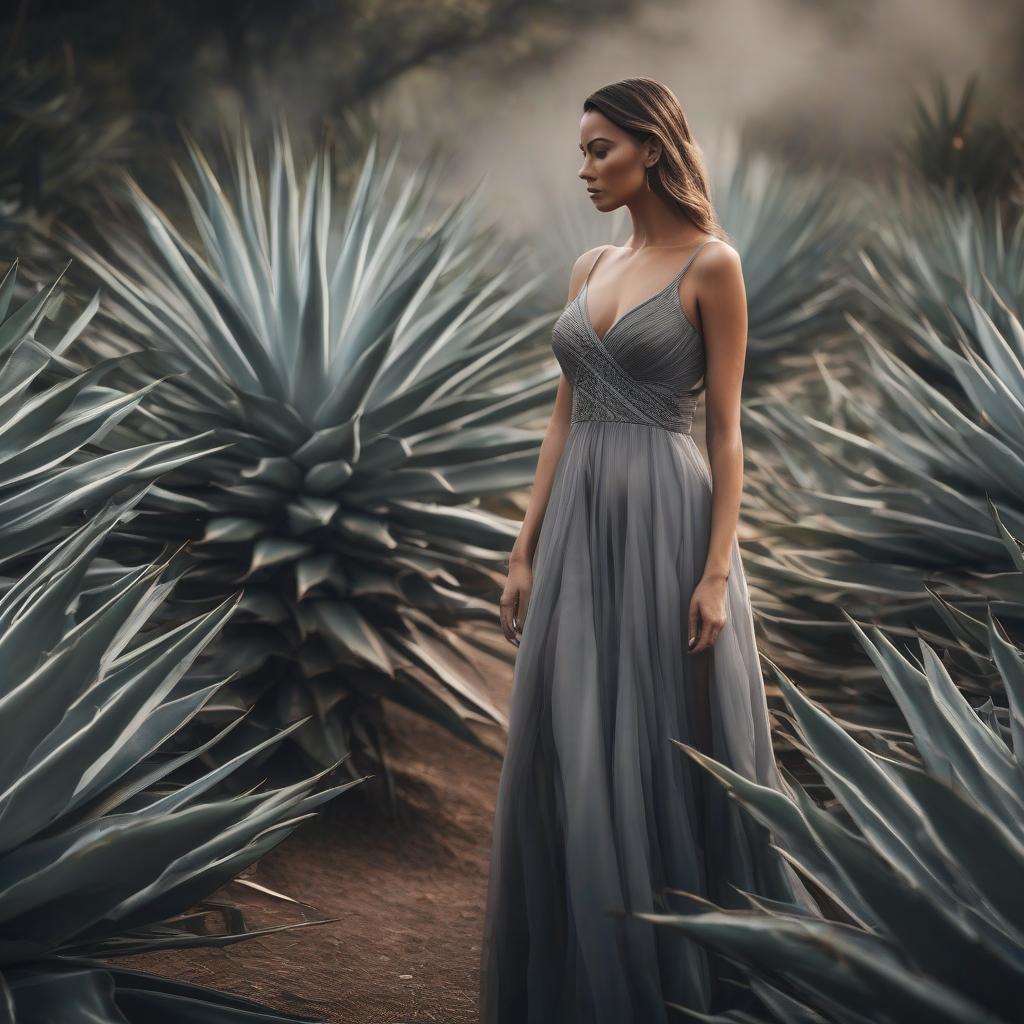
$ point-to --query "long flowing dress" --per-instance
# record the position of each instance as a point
(598, 812)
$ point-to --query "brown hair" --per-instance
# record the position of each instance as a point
(645, 107)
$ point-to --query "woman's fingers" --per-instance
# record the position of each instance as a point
(707, 634)
(522, 609)
(693, 624)
(704, 628)
(506, 613)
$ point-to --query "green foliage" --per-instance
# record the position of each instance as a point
(52, 472)
(927, 260)
(872, 492)
(97, 849)
(360, 368)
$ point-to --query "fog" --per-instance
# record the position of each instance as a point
(835, 81)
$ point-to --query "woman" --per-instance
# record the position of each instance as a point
(627, 602)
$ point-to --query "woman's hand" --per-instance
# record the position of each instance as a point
(515, 598)
(707, 612)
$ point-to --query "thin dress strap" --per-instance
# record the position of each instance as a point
(693, 256)
(675, 280)
(679, 275)
(604, 249)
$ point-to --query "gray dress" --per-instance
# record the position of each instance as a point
(598, 812)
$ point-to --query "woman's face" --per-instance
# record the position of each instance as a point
(614, 164)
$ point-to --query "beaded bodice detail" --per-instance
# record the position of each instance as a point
(648, 368)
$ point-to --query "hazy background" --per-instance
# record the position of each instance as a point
(500, 86)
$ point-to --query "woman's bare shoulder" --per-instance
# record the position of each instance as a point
(718, 258)
(581, 268)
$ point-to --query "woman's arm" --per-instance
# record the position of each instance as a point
(547, 462)
(723, 315)
(516, 595)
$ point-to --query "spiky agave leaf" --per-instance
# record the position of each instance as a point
(369, 380)
(53, 470)
(964, 611)
(794, 231)
(871, 491)
(62, 989)
(929, 261)
(95, 844)
(892, 508)
(926, 878)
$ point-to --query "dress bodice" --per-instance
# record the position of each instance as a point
(648, 368)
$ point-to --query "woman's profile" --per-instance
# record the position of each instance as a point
(628, 604)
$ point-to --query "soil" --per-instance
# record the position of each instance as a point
(408, 895)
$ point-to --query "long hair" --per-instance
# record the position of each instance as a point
(645, 107)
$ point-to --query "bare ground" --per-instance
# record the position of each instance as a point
(408, 896)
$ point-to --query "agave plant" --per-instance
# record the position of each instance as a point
(884, 500)
(921, 857)
(97, 849)
(927, 260)
(370, 382)
(793, 231)
(959, 153)
(52, 471)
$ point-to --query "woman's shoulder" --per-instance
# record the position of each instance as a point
(720, 257)
(582, 267)
(585, 260)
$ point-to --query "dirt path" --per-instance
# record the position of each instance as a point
(409, 897)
